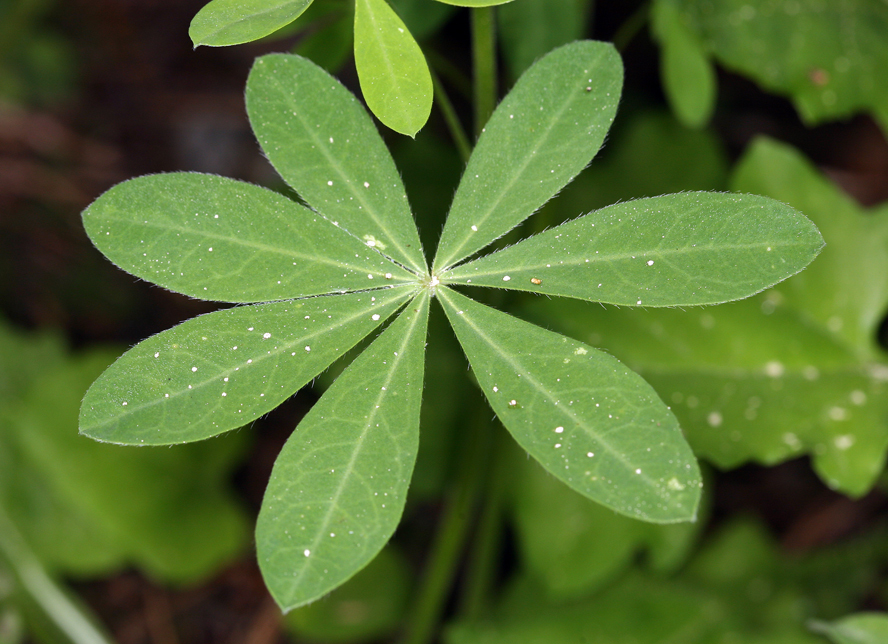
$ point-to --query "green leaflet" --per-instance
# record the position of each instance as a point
(338, 487)
(540, 137)
(584, 416)
(674, 250)
(862, 628)
(325, 146)
(394, 76)
(198, 234)
(232, 22)
(219, 371)
(688, 76)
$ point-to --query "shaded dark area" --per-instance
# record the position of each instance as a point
(144, 102)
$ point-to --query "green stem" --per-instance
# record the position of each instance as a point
(630, 28)
(460, 139)
(64, 613)
(484, 57)
(451, 536)
(481, 569)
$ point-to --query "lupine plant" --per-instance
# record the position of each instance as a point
(313, 280)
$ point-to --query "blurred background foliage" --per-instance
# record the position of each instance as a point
(783, 395)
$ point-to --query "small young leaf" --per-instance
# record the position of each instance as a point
(338, 488)
(394, 76)
(688, 76)
(232, 22)
(540, 137)
(674, 250)
(585, 417)
(862, 628)
(325, 146)
(474, 3)
(218, 239)
(219, 371)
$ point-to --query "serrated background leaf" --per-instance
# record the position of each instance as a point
(395, 78)
(232, 22)
(674, 250)
(325, 146)
(845, 290)
(338, 487)
(587, 419)
(540, 137)
(219, 371)
(218, 239)
(795, 371)
(803, 50)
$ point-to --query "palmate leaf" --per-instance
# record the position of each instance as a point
(325, 146)
(585, 417)
(232, 22)
(338, 488)
(395, 78)
(219, 371)
(198, 234)
(682, 249)
(540, 137)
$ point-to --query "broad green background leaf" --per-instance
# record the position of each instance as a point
(862, 628)
(367, 607)
(682, 249)
(828, 57)
(540, 137)
(87, 508)
(219, 371)
(688, 76)
(218, 239)
(587, 419)
(529, 29)
(795, 371)
(845, 290)
(339, 485)
(395, 78)
(751, 380)
(232, 22)
(739, 589)
(573, 546)
(325, 146)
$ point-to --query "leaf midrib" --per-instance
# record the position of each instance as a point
(542, 389)
(345, 178)
(215, 378)
(350, 467)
